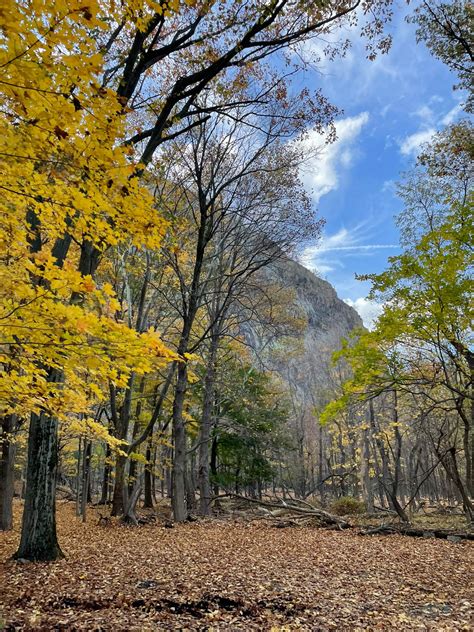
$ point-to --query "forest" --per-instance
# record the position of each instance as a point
(195, 431)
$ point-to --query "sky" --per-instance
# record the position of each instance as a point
(390, 107)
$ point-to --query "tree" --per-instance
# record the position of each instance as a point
(79, 88)
(246, 208)
(67, 198)
(248, 431)
(421, 343)
(446, 30)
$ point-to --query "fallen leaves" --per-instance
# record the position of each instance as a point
(228, 575)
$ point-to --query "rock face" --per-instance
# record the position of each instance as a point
(329, 318)
(302, 359)
(308, 369)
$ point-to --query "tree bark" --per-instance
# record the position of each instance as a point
(7, 473)
(204, 482)
(365, 479)
(38, 534)
(120, 491)
(389, 482)
(104, 498)
(178, 501)
(449, 463)
(148, 499)
(129, 509)
(86, 471)
(213, 466)
(121, 422)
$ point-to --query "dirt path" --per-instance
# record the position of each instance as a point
(229, 576)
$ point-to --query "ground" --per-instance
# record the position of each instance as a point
(229, 575)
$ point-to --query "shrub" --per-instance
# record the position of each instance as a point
(347, 505)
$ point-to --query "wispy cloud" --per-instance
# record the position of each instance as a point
(367, 310)
(425, 113)
(321, 174)
(412, 144)
(345, 242)
(452, 115)
(362, 247)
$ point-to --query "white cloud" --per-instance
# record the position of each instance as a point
(321, 173)
(425, 113)
(342, 239)
(367, 310)
(313, 257)
(451, 116)
(344, 242)
(411, 145)
(322, 269)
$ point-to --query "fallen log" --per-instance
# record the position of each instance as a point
(417, 532)
(284, 508)
(65, 493)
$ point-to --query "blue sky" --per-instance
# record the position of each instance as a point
(390, 107)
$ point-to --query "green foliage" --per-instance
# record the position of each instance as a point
(252, 414)
(423, 335)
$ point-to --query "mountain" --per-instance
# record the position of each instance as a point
(306, 365)
(302, 360)
(329, 319)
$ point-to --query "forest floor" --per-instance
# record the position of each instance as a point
(232, 575)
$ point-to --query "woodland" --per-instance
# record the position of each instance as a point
(161, 466)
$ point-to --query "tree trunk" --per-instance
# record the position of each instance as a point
(468, 446)
(78, 477)
(104, 498)
(86, 472)
(120, 491)
(389, 482)
(471, 479)
(129, 509)
(204, 482)
(178, 500)
(365, 479)
(450, 465)
(190, 492)
(321, 465)
(7, 473)
(213, 465)
(133, 465)
(38, 535)
(148, 500)
(121, 423)
(396, 491)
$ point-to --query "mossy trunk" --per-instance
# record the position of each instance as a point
(119, 500)
(38, 534)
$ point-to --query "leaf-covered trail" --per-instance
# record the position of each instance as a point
(229, 576)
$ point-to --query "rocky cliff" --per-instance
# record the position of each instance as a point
(301, 358)
(306, 366)
(328, 318)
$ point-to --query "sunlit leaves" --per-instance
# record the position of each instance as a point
(67, 182)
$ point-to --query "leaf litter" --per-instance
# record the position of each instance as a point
(235, 575)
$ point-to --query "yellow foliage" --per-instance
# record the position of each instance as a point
(67, 183)
(88, 427)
